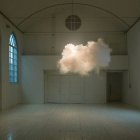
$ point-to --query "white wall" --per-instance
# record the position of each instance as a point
(133, 42)
(48, 34)
(10, 93)
(46, 44)
(33, 75)
(119, 62)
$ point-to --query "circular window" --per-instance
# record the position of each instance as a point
(73, 22)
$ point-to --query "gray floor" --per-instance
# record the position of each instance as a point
(70, 122)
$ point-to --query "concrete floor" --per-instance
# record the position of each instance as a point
(70, 122)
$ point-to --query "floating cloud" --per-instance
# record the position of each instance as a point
(83, 59)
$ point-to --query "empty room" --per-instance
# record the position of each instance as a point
(69, 70)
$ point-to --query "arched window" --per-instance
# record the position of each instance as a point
(13, 59)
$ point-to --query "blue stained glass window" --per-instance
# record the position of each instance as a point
(13, 59)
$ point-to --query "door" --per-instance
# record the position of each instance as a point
(114, 86)
(63, 88)
(72, 88)
(53, 86)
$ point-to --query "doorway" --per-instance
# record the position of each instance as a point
(114, 86)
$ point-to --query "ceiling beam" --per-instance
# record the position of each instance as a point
(137, 20)
(82, 4)
(1, 13)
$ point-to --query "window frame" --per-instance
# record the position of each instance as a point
(16, 65)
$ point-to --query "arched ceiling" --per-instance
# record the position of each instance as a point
(23, 12)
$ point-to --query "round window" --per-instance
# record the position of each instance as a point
(73, 22)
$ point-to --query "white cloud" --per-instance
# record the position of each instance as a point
(83, 59)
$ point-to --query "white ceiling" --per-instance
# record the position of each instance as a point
(18, 10)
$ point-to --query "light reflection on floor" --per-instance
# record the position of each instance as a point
(70, 122)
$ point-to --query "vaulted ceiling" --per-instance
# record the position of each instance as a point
(23, 12)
